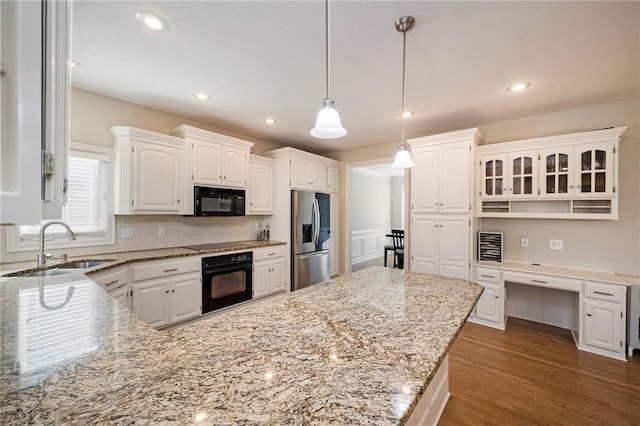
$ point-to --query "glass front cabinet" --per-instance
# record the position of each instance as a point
(494, 170)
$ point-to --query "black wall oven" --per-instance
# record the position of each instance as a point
(218, 201)
(226, 280)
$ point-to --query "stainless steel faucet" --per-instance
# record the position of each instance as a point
(42, 256)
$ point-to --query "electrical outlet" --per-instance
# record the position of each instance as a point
(524, 242)
(161, 231)
(127, 232)
(258, 226)
(555, 244)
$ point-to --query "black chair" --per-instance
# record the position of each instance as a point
(397, 235)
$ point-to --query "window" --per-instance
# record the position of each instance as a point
(88, 207)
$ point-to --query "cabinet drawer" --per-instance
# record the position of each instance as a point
(165, 268)
(268, 252)
(543, 281)
(607, 292)
(488, 275)
(112, 279)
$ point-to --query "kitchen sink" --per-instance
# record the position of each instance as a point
(42, 273)
(84, 264)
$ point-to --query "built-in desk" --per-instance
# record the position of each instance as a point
(591, 304)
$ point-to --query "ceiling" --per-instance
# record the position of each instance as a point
(266, 58)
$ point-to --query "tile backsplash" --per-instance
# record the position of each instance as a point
(178, 231)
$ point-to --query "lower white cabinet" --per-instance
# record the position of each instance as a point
(116, 282)
(604, 319)
(269, 271)
(489, 310)
(167, 292)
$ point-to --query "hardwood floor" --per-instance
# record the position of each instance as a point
(532, 374)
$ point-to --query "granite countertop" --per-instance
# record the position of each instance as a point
(358, 349)
(121, 258)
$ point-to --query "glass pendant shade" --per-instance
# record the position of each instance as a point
(403, 159)
(328, 124)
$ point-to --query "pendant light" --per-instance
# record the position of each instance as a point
(328, 125)
(403, 156)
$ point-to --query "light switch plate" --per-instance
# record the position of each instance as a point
(524, 242)
(555, 244)
(161, 231)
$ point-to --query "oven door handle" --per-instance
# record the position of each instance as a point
(217, 270)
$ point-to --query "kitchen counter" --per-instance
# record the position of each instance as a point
(120, 258)
(358, 349)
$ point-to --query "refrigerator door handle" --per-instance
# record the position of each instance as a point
(313, 223)
(317, 224)
(312, 255)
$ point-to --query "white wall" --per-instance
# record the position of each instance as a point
(607, 245)
(370, 201)
(397, 183)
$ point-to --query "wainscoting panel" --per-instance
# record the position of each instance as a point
(368, 244)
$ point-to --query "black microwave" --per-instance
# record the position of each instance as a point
(218, 201)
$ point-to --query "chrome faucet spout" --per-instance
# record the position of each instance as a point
(42, 256)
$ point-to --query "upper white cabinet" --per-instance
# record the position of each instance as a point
(260, 186)
(308, 175)
(148, 172)
(34, 92)
(212, 159)
(442, 185)
(566, 176)
(333, 179)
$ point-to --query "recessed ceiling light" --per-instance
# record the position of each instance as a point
(408, 114)
(202, 96)
(74, 64)
(152, 20)
(269, 120)
(517, 87)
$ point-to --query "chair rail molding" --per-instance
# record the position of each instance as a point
(368, 244)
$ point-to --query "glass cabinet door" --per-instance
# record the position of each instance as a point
(594, 171)
(493, 177)
(556, 174)
(522, 168)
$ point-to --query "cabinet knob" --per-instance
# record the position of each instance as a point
(220, 177)
(173, 291)
(588, 315)
(224, 177)
(167, 291)
(177, 201)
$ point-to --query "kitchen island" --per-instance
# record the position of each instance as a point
(358, 349)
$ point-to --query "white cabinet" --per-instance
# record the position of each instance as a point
(443, 185)
(489, 310)
(308, 175)
(147, 171)
(260, 186)
(34, 109)
(167, 292)
(116, 282)
(566, 176)
(269, 271)
(440, 245)
(333, 179)
(334, 232)
(604, 319)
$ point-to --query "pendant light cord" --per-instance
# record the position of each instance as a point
(404, 86)
(326, 44)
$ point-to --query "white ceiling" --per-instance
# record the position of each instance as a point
(266, 58)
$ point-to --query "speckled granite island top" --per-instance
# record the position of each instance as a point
(359, 349)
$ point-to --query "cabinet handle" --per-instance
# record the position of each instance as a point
(588, 315)
(111, 282)
(171, 270)
(497, 297)
(487, 276)
(271, 254)
(539, 281)
(120, 286)
(603, 293)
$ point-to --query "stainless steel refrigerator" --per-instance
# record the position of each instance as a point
(310, 238)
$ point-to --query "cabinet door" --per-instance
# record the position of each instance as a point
(556, 173)
(150, 302)
(260, 189)
(185, 297)
(454, 178)
(157, 171)
(206, 163)
(602, 327)
(424, 181)
(594, 167)
(260, 281)
(523, 175)
(489, 306)
(333, 182)
(276, 278)
(317, 176)
(122, 296)
(234, 167)
(453, 246)
(493, 179)
(424, 244)
(299, 174)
